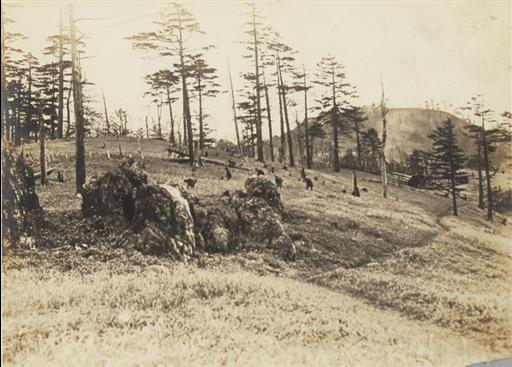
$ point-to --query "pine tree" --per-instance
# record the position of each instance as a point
(78, 106)
(384, 164)
(356, 117)
(247, 116)
(10, 55)
(370, 149)
(448, 161)
(58, 49)
(269, 118)
(205, 86)
(418, 163)
(172, 40)
(301, 85)
(284, 59)
(335, 96)
(315, 130)
(233, 105)
(164, 82)
(491, 137)
(254, 43)
(486, 141)
(475, 133)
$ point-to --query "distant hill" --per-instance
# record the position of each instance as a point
(408, 129)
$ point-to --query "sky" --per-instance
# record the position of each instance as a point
(445, 51)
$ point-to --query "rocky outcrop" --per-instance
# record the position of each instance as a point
(164, 221)
(247, 219)
(159, 216)
(113, 192)
(167, 219)
(263, 188)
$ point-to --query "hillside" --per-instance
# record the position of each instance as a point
(409, 128)
(377, 282)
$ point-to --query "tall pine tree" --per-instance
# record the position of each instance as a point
(334, 98)
(172, 38)
(448, 161)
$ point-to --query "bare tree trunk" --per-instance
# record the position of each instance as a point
(259, 137)
(309, 162)
(485, 146)
(185, 137)
(60, 126)
(299, 141)
(200, 97)
(186, 104)
(125, 124)
(355, 189)
(282, 149)
(253, 135)
(17, 114)
(119, 146)
(312, 142)
(106, 115)
(334, 123)
(42, 149)
(147, 127)
(490, 200)
(140, 149)
(383, 165)
(452, 181)
(5, 113)
(159, 118)
(172, 137)
(480, 176)
(335, 137)
(358, 145)
(78, 107)
(234, 112)
(68, 110)
(269, 118)
(26, 132)
(286, 119)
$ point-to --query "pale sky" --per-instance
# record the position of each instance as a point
(424, 50)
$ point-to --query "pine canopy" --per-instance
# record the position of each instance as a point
(449, 159)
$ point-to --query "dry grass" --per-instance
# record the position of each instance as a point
(185, 316)
(377, 282)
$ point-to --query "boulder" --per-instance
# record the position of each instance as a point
(218, 223)
(159, 216)
(262, 187)
(244, 219)
(113, 192)
(164, 222)
(262, 226)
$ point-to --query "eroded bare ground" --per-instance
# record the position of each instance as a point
(377, 281)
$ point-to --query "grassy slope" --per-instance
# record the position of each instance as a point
(377, 282)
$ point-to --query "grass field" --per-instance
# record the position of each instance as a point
(377, 282)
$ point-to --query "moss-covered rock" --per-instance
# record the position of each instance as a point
(167, 219)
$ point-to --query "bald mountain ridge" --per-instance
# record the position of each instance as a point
(408, 129)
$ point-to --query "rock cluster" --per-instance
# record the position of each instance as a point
(167, 219)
